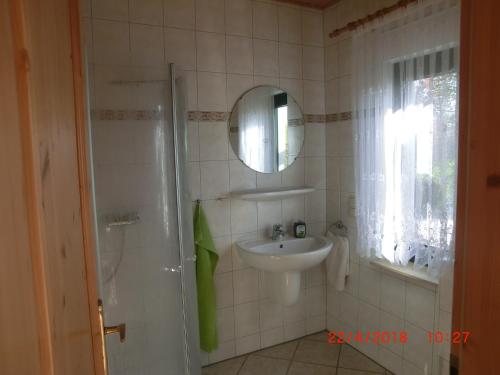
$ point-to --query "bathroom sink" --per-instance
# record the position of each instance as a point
(292, 254)
(282, 262)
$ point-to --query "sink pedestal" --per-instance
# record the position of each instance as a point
(283, 287)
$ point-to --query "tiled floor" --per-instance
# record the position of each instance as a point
(310, 355)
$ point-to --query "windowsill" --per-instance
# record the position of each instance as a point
(407, 273)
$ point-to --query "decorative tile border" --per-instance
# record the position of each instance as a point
(331, 117)
(208, 116)
(204, 116)
(345, 116)
(308, 118)
(120, 114)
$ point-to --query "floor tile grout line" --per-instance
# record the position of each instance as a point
(258, 354)
(338, 358)
(242, 364)
(271, 357)
(293, 355)
(364, 355)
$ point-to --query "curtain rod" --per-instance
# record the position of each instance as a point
(371, 17)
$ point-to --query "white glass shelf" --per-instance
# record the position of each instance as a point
(270, 194)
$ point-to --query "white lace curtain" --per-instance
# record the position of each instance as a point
(405, 122)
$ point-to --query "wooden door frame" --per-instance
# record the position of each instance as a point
(476, 297)
(85, 182)
(52, 249)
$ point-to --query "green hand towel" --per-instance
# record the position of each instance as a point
(206, 260)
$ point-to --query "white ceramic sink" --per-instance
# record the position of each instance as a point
(292, 254)
(283, 261)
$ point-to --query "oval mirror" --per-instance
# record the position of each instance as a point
(266, 129)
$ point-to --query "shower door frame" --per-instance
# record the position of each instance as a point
(188, 309)
(182, 258)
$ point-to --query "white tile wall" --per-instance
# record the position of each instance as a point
(211, 91)
(215, 141)
(265, 20)
(210, 15)
(237, 20)
(315, 168)
(111, 42)
(214, 179)
(247, 319)
(290, 60)
(239, 55)
(149, 12)
(180, 47)
(294, 174)
(271, 315)
(274, 55)
(417, 312)
(248, 344)
(313, 66)
(314, 101)
(237, 84)
(210, 52)
(266, 57)
(179, 13)
(289, 25)
(146, 45)
(224, 48)
(110, 9)
(392, 295)
(312, 29)
(369, 285)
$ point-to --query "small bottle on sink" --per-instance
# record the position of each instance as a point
(299, 229)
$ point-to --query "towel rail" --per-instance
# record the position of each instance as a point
(338, 228)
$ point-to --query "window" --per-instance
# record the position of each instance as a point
(420, 153)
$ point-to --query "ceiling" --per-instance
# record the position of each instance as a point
(317, 4)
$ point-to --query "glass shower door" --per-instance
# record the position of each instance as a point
(143, 221)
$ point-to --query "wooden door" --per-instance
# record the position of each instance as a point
(477, 268)
(48, 314)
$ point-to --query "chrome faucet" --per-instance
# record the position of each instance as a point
(278, 232)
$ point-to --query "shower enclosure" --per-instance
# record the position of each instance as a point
(143, 220)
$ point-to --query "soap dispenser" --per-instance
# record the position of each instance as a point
(299, 229)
